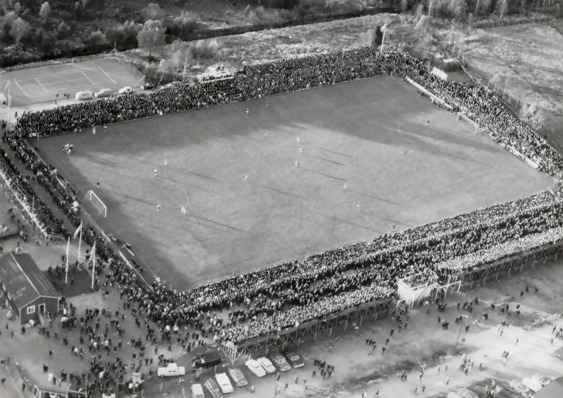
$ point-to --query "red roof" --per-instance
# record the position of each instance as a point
(23, 280)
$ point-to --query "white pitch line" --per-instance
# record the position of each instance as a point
(66, 72)
(63, 81)
(21, 88)
(38, 82)
(105, 73)
(90, 80)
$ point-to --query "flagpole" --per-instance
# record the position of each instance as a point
(79, 244)
(93, 264)
(67, 255)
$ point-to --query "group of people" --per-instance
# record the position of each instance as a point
(293, 293)
(22, 187)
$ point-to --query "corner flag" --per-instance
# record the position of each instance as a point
(78, 230)
(93, 264)
(67, 254)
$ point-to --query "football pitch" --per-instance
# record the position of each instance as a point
(48, 83)
(297, 174)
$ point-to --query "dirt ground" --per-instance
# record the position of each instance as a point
(421, 344)
(524, 63)
(274, 44)
(424, 345)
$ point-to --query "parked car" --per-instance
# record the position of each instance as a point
(520, 388)
(267, 365)
(213, 388)
(224, 383)
(197, 391)
(103, 93)
(238, 377)
(171, 370)
(294, 359)
(255, 367)
(535, 386)
(148, 86)
(542, 379)
(207, 360)
(125, 90)
(280, 362)
(84, 95)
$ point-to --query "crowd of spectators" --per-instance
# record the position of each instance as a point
(293, 293)
(22, 188)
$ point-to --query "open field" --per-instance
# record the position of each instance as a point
(295, 41)
(30, 86)
(370, 135)
(526, 59)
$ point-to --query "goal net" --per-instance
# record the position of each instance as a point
(97, 202)
(465, 119)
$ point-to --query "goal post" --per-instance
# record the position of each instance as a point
(97, 202)
(462, 117)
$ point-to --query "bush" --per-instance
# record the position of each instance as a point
(205, 49)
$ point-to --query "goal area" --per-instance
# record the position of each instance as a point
(474, 125)
(97, 203)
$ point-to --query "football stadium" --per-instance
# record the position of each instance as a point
(249, 205)
(246, 215)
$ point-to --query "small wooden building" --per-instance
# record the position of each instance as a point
(25, 288)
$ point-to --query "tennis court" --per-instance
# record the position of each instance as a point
(49, 83)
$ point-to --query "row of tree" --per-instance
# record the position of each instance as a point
(38, 30)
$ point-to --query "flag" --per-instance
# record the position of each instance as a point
(67, 254)
(78, 230)
(93, 264)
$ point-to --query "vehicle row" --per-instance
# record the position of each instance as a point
(106, 92)
(529, 385)
(260, 367)
(221, 384)
(263, 365)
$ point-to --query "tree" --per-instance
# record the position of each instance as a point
(476, 7)
(378, 36)
(503, 7)
(205, 49)
(9, 19)
(63, 30)
(421, 25)
(430, 4)
(419, 11)
(486, 6)
(181, 57)
(20, 29)
(153, 11)
(97, 39)
(150, 36)
(457, 9)
(404, 5)
(47, 40)
(45, 10)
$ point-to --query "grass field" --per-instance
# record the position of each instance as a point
(42, 84)
(370, 135)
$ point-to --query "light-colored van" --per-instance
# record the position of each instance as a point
(84, 95)
(224, 383)
(197, 391)
(213, 388)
